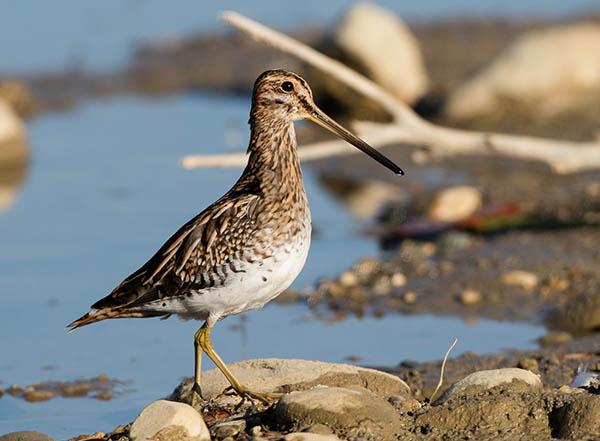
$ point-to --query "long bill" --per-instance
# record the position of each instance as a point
(317, 116)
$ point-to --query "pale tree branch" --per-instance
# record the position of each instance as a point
(407, 127)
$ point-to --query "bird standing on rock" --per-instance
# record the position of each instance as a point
(248, 246)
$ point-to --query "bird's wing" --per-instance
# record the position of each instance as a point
(193, 257)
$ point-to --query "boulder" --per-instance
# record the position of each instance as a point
(490, 378)
(352, 413)
(546, 71)
(166, 420)
(385, 49)
(277, 375)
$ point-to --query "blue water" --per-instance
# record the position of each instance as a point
(104, 190)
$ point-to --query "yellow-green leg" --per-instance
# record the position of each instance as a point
(196, 390)
(202, 339)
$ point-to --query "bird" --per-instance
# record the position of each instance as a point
(247, 247)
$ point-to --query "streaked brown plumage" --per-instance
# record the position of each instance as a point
(247, 247)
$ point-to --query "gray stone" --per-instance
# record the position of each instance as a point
(352, 413)
(165, 420)
(275, 375)
(25, 436)
(491, 378)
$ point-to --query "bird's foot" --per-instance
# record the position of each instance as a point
(247, 394)
(196, 395)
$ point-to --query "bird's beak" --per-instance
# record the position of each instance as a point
(317, 116)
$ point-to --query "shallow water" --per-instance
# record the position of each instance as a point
(104, 191)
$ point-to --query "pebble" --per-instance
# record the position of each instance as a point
(398, 280)
(525, 279)
(348, 279)
(37, 396)
(409, 297)
(531, 364)
(455, 203)
(470, 297)
(168, 420)
(306, 436)
(229, 428)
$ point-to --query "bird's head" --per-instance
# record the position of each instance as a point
(282, 95)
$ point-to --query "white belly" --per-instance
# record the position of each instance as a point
(260, 282)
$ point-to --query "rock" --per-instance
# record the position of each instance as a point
(385, 49)
(544, 70)
(469, 297)
(307, 436)
(398, 280)
(165, 420)
(524, 279)
(272, 375)
(37, 396)
(352, 413)
(455, 203)
(491, 378)
(228, 428)
(18, 96)
(577, 419)
(25, 436)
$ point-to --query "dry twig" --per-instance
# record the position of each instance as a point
(441, 381)
(407, 127)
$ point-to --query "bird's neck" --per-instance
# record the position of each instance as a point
(273, 158)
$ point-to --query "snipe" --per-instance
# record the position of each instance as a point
(248, 246)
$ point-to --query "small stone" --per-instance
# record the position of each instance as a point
(409, 297)
(348, 279)
(530, 364)
(398, 280)
(256, 431)
(306, 436)
(525, 279)
(14, 390)
(455, 203)
(404, 404)
(382, 286)
(25, 436)
(104, 396)
(169, 420)
(470, 297)
(74, 390)
(37, 396)
(320, 429)
(228, 428)
(491, 378)
(351, 413)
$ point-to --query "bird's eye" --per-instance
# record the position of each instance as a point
(287, 86)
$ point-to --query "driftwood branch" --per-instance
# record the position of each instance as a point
(407, 127)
